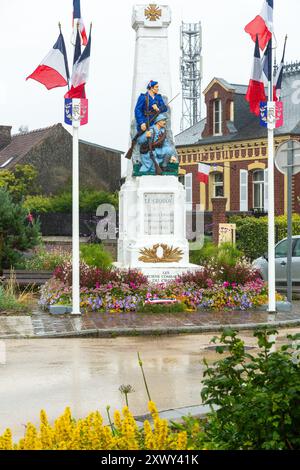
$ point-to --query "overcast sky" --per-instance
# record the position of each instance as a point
(29, 30)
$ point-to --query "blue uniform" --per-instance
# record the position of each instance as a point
(141, 112)
(161, 154)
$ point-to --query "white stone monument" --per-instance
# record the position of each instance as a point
(152, 216)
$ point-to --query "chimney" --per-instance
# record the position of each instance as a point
(5, 136)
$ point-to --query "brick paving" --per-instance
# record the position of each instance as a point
(41, 324)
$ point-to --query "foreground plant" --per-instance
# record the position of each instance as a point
(14, 300)
(258, 395)
(91, 433)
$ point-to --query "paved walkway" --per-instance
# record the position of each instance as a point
(43, 325)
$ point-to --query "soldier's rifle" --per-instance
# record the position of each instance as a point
(158, 170)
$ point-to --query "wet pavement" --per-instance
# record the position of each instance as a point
(85, 374)
(42, 325)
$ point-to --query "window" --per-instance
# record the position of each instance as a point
(188, 182)
(243, 190)
(218, 182)
(281, 249)
(259, 189)
(232, 111)
(297, 248)
(217, 117)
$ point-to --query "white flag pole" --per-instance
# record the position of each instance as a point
(75, 205)
(271, 208)
(75, 217)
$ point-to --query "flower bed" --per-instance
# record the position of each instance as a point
(117, 291)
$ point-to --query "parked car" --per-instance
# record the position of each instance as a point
(261, 264)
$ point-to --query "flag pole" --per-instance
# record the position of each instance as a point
(75, 213)
(75, 222)
(271, 208)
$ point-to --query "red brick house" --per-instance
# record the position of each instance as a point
(231, 140)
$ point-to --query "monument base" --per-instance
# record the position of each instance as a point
(160, 273)
(152, 223)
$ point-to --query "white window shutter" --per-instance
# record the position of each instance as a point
(266, 195)
(188, 183)
(243, 190)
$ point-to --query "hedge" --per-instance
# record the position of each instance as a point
(89, 200)
(252, 233)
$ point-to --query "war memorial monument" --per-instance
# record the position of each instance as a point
(152, 220)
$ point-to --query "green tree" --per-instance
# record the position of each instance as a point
(17, 233)
(20, 182)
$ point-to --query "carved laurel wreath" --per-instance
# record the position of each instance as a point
(170, 254)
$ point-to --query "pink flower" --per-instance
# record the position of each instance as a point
(210, 283)
(226, 284)
(97, 285)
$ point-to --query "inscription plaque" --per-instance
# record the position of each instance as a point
(159, 213)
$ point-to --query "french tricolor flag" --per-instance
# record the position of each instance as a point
(77, 15)
(279, 74)
(203, 173)
(262, 25)
(80, 72)
(256, 89)
(53, 71)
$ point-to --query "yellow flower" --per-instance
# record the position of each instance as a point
(117, 419)
(6, 440)
(181, 441)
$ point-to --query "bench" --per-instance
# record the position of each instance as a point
(25, 278)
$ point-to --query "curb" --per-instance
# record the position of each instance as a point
(176, 414)
(152, 331)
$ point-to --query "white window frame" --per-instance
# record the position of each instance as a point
(188, 184)
(217, 184)
(266, 194)
(243, 191)
(260, 183)
(219, 130)
(232, 111)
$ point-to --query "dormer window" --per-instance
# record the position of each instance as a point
(232, 111)
(217, 110)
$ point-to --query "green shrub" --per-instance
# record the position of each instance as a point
(223, 254)
(252, 233)
(163, 308)
(258, 395)
(89, 200)
(7, 301)
(95, 256)
(43, 260)
(17, 234)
